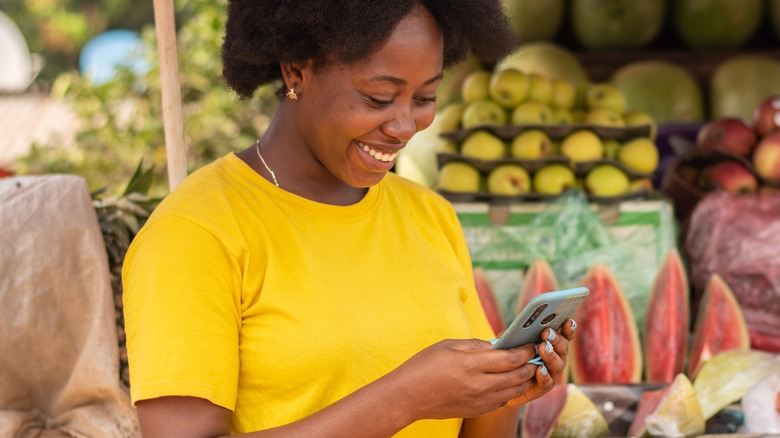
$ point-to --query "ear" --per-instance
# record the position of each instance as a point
(296, 74)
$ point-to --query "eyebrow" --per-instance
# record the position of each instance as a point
(399, 81)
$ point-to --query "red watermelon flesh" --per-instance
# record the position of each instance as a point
(541, 415)
(606, 348)
(719, 326)
(666, 322)
(670, 411)
(539, 278)
(487, 298)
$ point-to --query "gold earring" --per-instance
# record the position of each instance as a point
(291, 94)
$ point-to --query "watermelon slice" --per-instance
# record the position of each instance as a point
(666, 322)
(720, 325)
(671, 411)
(539, 278)
(727, 376)
(487, 298)
(606, 348)
(565, 411)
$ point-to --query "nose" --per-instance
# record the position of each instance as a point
(406, 121)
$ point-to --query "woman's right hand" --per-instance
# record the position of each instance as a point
(465, 378)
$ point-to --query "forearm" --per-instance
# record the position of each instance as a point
(500, 423)
(376, 410)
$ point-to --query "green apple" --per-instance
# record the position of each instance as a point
(476, 86)
(605, 95)
(532, 113)
(447, 146)
(564, 94)
(483, 145)
(582, 145)
(606, 180)
(641, 118)
(553, 179)
(450, 116)
(531, 144)
(483, 112)
(611, 148)
(457, 176)
(639, 154)
(509, 87)
(604, 117)
(509, 179)
(541, 88)
(562, 117)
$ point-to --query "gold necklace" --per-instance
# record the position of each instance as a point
(273, 175)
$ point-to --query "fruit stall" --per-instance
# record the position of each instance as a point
(632, 147)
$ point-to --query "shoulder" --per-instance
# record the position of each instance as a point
(411, 195)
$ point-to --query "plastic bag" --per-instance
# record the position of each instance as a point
(631, 238)
(738, 237)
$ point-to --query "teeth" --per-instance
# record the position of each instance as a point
(377, 155)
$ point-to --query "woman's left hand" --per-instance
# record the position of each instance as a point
(554, 357)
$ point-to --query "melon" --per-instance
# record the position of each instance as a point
(727, 377)
(719, 325)
(487, 298)
(538, 279)
(533, 20)
(665, 90)
(670, 411)
(565, 411)
(547, 59)
(739, 83)
(616, 24)
(716, 24)
(666, 321)
(606, 348)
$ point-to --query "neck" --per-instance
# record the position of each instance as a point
(296, 170)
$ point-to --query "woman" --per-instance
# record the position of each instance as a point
(297, 288)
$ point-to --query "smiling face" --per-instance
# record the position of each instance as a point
(353, 120)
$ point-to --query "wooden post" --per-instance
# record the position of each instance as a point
(176, 152)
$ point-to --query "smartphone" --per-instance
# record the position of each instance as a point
(546, 310)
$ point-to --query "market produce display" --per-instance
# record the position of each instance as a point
(733, 155)
(670, 411)
(665, 334)
(516, 136)
(563, 412)
(607, 348)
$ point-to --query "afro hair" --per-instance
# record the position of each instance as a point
(262, 34)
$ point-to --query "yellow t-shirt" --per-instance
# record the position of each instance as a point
(275, 306)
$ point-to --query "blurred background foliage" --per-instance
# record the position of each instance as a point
(120, 121)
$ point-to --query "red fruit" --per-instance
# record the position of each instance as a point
(731, 176)
(766, 116)
(670, 411)
(607, 348)
(729, 135)
(720, 325)
(5, 173)
(766, 157)
(489, 302)
(539, 278)
(666, 321)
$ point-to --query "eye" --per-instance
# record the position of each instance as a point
(380, 102)
(425, 100)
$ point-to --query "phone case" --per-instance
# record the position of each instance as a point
(547, 310)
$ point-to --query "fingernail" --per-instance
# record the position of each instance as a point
(552, 335)
(573, 325)
(544, 370)
(536, 348)
(548, 348)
